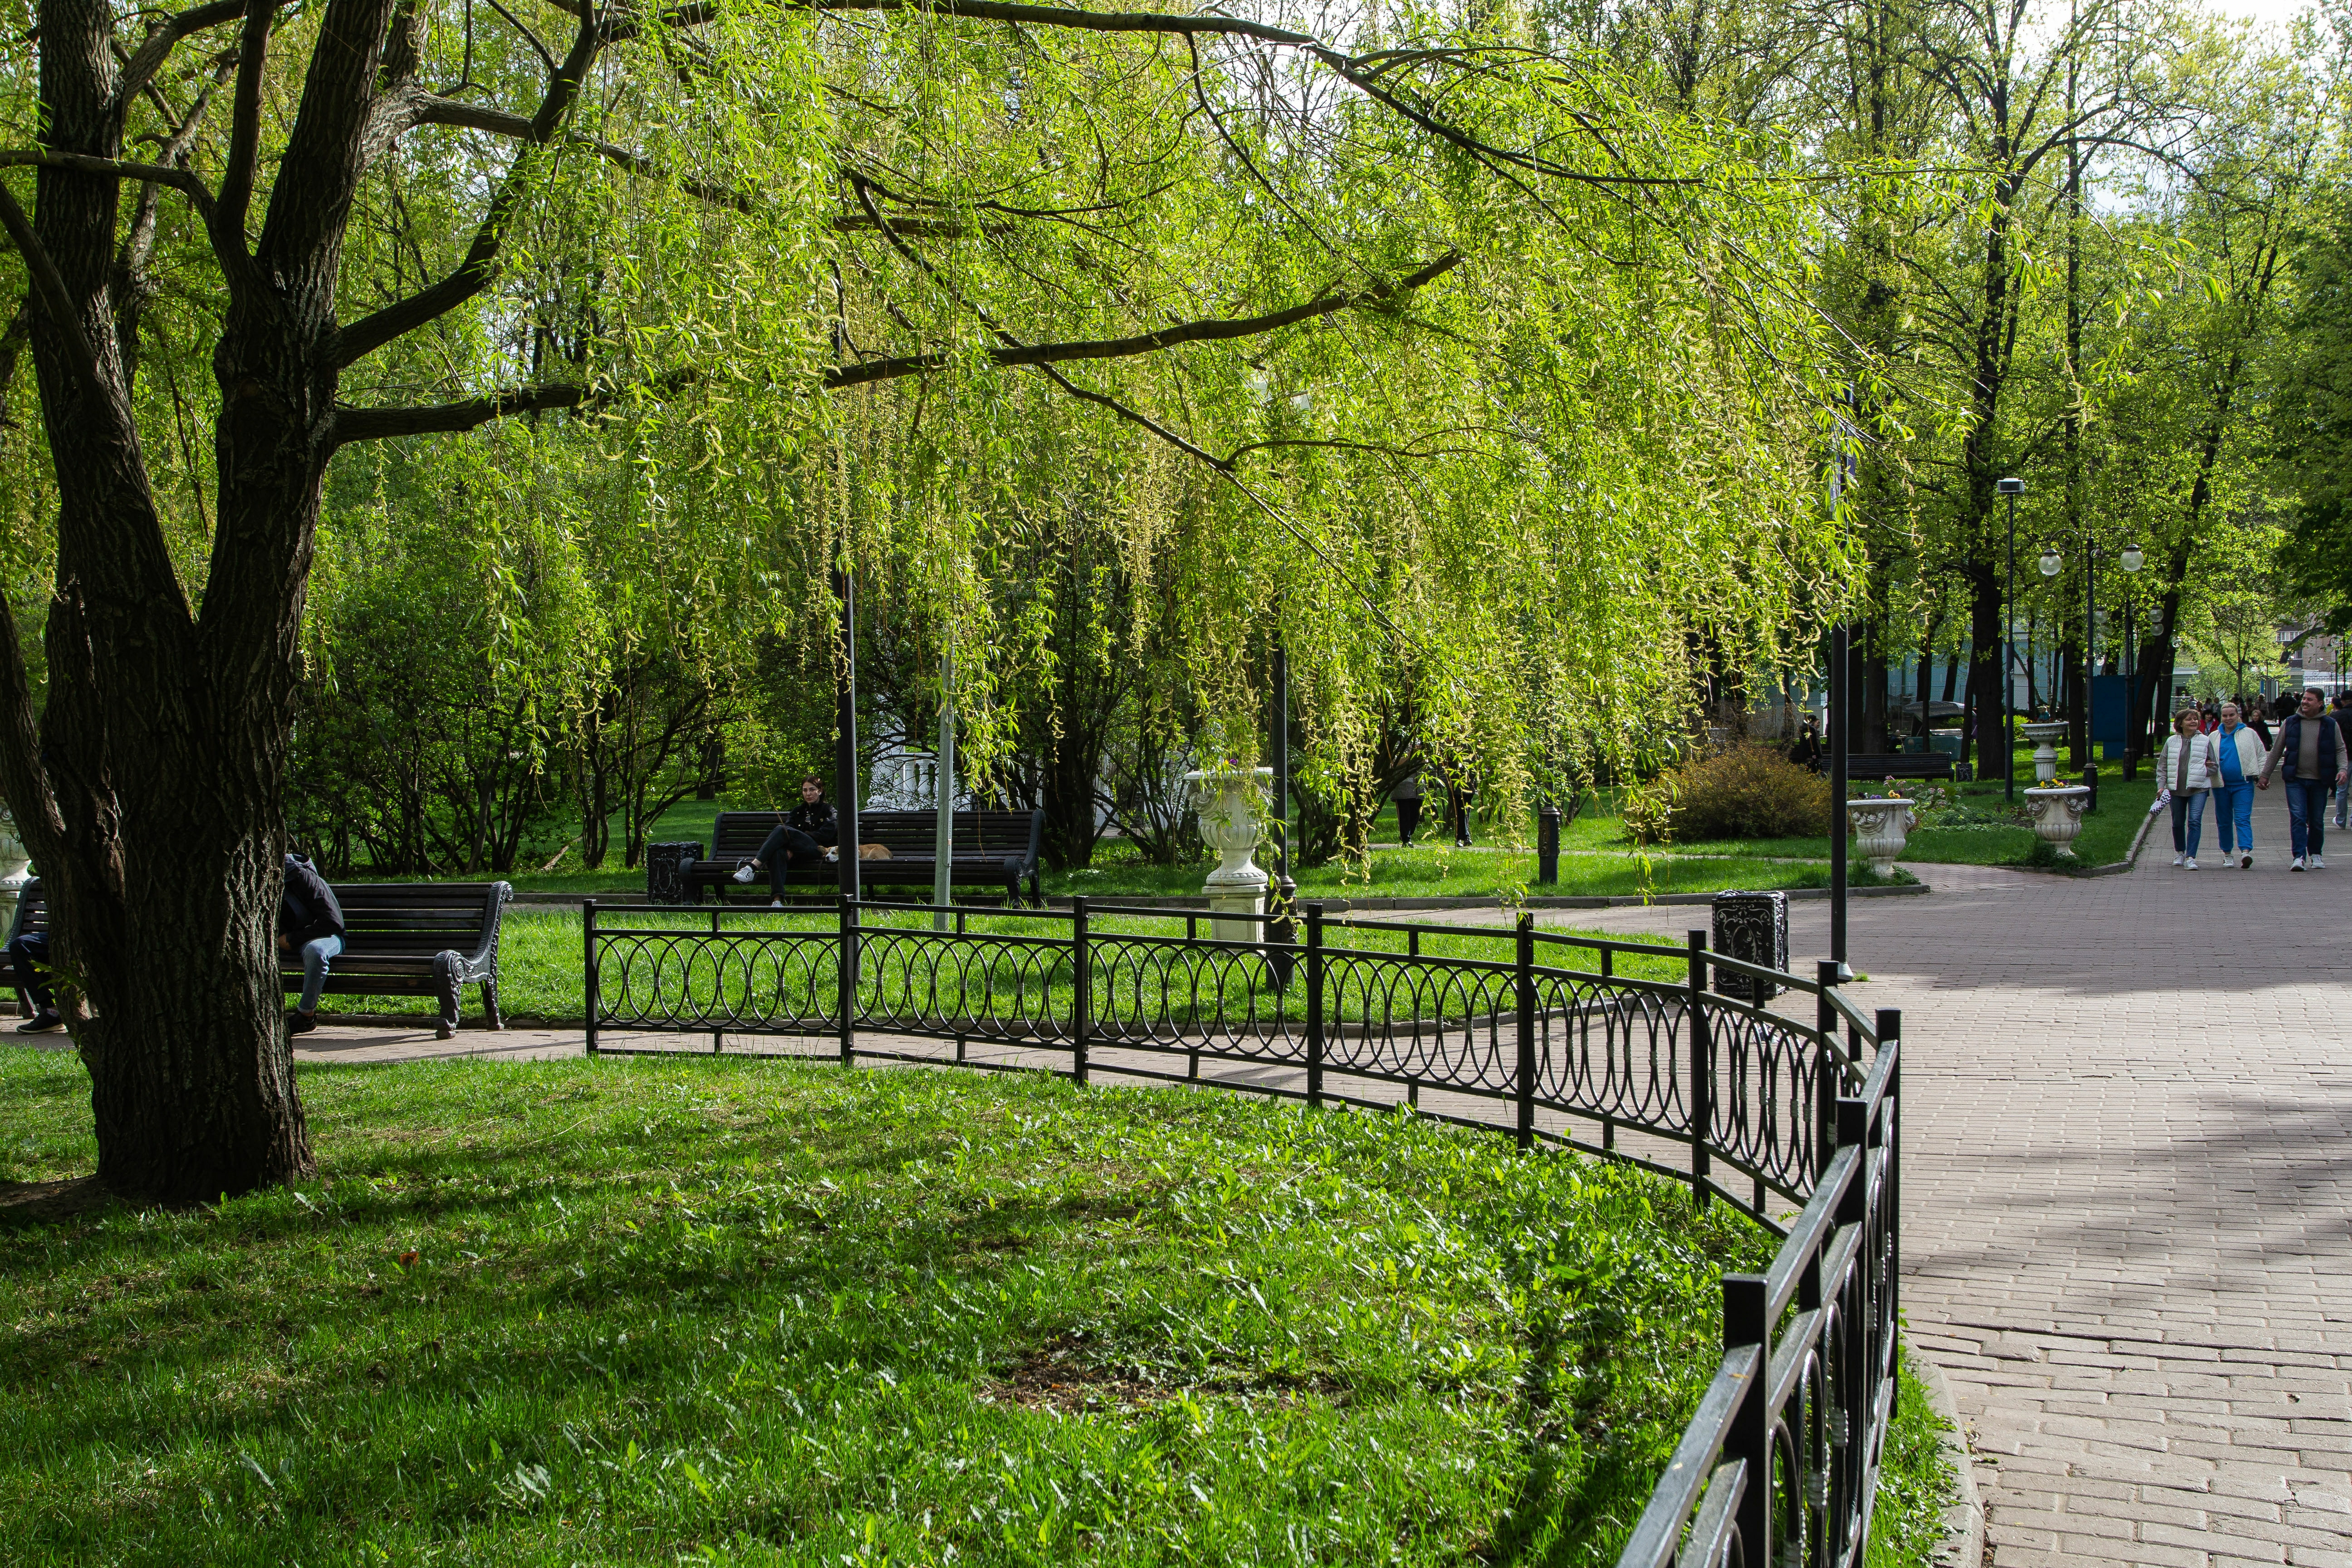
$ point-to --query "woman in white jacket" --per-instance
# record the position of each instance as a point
(2191, 764)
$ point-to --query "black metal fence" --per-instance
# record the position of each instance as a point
(1622, 1048)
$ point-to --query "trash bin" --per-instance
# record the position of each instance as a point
(1754, 929)
(666, 867)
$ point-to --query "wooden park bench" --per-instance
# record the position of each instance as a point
(1935, 765)
(400, 938)
(992, 848)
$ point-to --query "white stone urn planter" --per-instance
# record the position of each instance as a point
(1226, 800)
(1880, 828)
(2046, 737)
(2058, 814)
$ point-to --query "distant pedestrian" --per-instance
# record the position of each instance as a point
(1464, 794)
(1407, 797)
(2188, 772)
(2251, 710)
(2341, 712)
(2311, 752)
(2238, 755)
(1806, 751)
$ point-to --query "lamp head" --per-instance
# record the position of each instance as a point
(2133, 558)
(2010, 487)
(2050, 560)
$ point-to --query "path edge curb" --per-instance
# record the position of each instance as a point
(1964, 1521)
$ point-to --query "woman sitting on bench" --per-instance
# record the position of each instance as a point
(798, 840)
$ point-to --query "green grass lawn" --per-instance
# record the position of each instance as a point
(735, 1312)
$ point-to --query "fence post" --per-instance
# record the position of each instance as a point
(1890, 1038)
(846, 982)
(1828, 1076)
(1525, 1025)
(1702, 1073)
(588, 965)
(1745, 1323)
(1315, 1023)
(1082, 989)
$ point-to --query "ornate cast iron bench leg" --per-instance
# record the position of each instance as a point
(446, 967)
(492, 1016)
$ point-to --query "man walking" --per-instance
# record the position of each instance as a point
(2314, 757)
(1407, 797)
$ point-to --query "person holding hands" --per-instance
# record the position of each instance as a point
(2310, 752)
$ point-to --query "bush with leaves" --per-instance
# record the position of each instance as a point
(1746, 791)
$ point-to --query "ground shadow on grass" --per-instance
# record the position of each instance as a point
(30, 1203)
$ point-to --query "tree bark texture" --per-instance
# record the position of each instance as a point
(152, 790)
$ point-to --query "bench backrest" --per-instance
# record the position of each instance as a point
(911, 835)
(382, 919)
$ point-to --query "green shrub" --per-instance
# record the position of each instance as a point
(1748, 791)
(1649, 810)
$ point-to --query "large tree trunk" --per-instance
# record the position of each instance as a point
(150, 788)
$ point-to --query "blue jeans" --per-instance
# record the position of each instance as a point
(2307, 815)
(2188, 820)
(318, 956)
(2233, 817)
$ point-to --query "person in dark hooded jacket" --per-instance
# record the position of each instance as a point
(309, 922)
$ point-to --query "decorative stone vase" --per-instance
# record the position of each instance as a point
(1881, 829)
(15, 872)
(2046, 737)
(1226, 800)
(2058, 814)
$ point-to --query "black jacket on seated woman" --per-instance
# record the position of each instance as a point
(798, 840)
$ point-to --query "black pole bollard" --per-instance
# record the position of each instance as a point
(1317, 1027)
(845, 981)
(1702, 1071)
(1081, 993)
(1547, 846)
(588, 956)
(1528, 1063)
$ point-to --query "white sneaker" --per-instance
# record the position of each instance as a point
(2298, 864)
(775, 903)
(2189, 865)
(2246, 860)
(2180, 859)
(744, 873)
(2317, 863)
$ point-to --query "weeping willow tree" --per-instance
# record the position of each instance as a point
(1433, 338)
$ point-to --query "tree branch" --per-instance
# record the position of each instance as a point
(178, 179)
(245, 131)
(473, 275)
(141, 68)
(51, 287)
(1209, 330)
(445, 418)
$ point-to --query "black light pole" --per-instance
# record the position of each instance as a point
(2130, 559)
(1282, 930)
(2012, 488)
(844, 761)
(1838, 639)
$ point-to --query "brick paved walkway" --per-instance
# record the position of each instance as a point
(2127, 1228)
(2127, 1194)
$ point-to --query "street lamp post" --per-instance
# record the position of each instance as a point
(2130, 558)
(2012, 488)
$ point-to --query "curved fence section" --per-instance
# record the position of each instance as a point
(1783, 1096)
